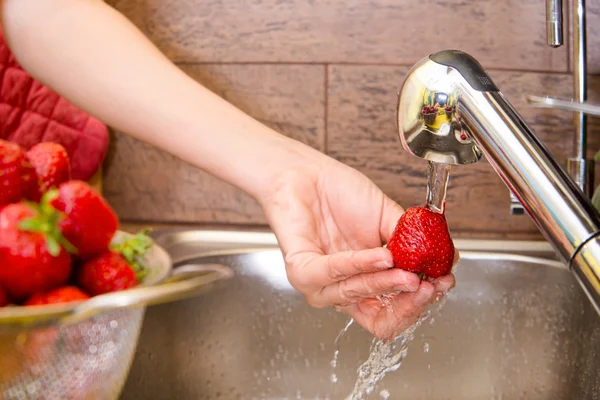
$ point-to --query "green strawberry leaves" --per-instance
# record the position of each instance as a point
(46, 222)
(134, 251)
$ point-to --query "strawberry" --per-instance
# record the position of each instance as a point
(33, 255)
(12, 214)
(17, 175)
(90, 223)
(122, 267)
(64, 294)
(421, 243)
(52, 166)
(3, 297)
(108, 272)
(27, 266)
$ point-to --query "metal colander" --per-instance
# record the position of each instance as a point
(84, 350)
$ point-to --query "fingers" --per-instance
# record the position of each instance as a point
(322, 270)
(381, 321)
(444, 284)
(424, 295)
(407, 308)
(347, 277)
(456, 257)
(367, 285)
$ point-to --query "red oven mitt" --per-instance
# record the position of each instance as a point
(31, 113)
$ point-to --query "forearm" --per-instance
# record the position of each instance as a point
(96, 58)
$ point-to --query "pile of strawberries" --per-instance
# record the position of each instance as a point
(430, 109)
(56, 233)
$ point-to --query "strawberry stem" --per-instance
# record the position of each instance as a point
(46, 222)
(53, 246)
(134, 250)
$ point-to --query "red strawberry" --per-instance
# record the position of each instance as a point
(17, 175)
(421, 243)
(3, 297)
(117, 269)
(90, 222)
(64, 294)
(108, 272)
(52, 166)
(32, 249)
(12, 214)
(27, 266)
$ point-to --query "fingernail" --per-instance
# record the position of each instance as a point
(383, 264)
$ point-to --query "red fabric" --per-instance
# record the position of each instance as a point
(31, 113)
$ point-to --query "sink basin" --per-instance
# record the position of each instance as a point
(517, 326)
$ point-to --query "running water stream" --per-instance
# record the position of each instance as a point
(438, 175)
(387, 356)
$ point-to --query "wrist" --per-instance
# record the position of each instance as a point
(245, 153)
(281, 158)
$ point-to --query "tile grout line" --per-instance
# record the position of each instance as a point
(567, 15)
(361, 64)
(326, 111)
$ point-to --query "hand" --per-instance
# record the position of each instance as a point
(331, 222)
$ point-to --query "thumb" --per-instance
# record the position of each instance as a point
(390, 215)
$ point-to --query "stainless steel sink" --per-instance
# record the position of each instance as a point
(517, 326)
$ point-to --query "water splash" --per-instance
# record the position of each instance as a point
(426, 347)
(387, 356)
(386, 300)
(336, 354)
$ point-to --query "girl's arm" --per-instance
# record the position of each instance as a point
(95, 57)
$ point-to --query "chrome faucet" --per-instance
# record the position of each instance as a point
(450, 111)
(579, 167)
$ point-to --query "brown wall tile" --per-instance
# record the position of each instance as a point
(362, 132)
(143, 183)
(508, 34)
(593, 36)
(151, 185)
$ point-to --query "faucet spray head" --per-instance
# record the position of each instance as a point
(429, 107)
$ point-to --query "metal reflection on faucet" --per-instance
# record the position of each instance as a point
(483, 122)
(429, 119)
